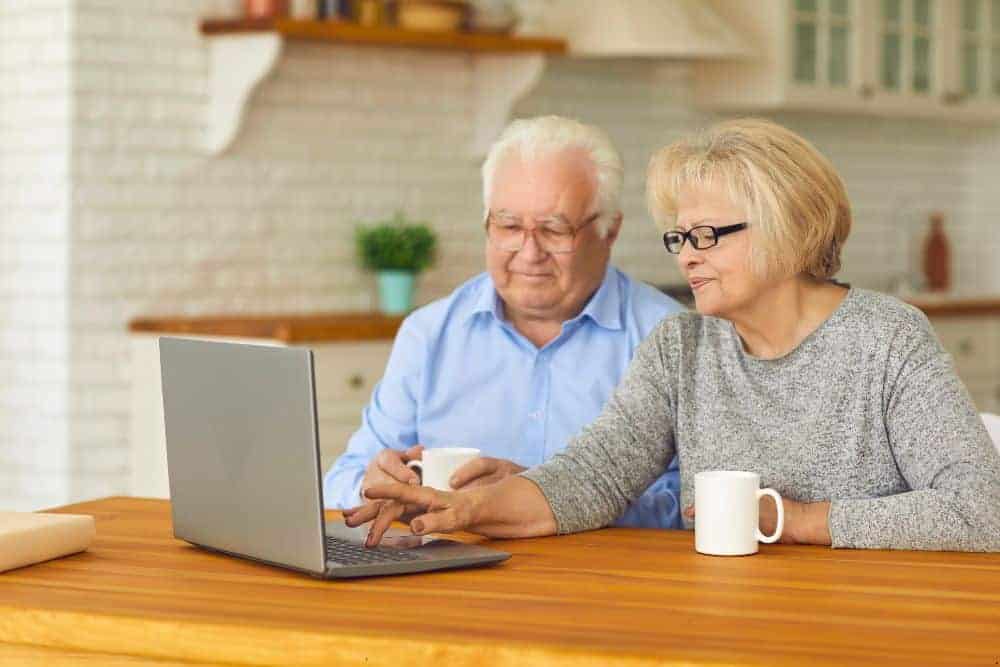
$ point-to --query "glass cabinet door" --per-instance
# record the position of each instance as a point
(839, 31)
(921, 45)
(980, 48)
(994, 10)
(822, 39)
(906, 46)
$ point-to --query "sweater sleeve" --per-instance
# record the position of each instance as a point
(613, 460)
(942, 450)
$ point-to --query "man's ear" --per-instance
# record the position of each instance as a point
(613, 229)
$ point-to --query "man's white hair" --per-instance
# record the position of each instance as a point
(534, 138)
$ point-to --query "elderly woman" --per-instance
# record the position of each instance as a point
(840, 398)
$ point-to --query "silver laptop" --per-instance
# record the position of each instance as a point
(244, 467)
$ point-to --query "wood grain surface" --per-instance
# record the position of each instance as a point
(616, 596)
(947, 306)
(346, 32)
(354, 326)
(315, 328)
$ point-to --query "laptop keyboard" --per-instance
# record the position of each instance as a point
(350, 553)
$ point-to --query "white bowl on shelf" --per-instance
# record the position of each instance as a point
(430, 15)
(495, 16)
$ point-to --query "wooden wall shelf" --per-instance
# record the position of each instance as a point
(948, 306)
(299, 328)
(235, 26)
(360, 326)
(352, 33)
(244, 52)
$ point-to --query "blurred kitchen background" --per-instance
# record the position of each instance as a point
(148, 181)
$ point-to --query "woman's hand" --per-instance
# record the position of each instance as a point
(513, 507)
(805, 523)
(427, 510)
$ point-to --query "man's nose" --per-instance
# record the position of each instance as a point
(531, 251)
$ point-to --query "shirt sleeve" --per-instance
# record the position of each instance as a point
(943, 452)
(659, 506)
(388, 421)
(612, 461)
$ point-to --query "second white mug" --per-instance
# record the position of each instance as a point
(726, 513)
(438, 464)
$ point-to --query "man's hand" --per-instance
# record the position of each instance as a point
(390, 466)
(483, 471)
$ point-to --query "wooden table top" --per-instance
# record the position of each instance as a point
(616, 596)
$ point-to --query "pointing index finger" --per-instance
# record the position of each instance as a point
(411, 495)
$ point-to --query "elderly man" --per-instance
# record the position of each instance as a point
(518, 359)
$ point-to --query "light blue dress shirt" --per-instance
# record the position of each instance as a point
(460, 375)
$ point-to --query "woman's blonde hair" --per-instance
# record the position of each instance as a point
(794, 200)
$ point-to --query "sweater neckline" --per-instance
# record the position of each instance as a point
(807, 342)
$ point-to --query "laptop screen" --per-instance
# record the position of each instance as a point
(243, 449)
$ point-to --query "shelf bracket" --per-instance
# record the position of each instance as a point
(500, 81)
(238, 63)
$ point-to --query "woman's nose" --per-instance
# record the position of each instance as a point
(689, 256)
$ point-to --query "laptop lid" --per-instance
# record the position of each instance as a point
(243, 449)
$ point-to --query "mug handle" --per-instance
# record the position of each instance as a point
(418, 465)
(781, 516)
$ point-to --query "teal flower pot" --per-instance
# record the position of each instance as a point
(395, 291)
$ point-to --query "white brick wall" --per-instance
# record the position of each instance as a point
(34, 247)
(109, 210)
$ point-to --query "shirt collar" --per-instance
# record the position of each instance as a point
(604, 308)
(487, 301)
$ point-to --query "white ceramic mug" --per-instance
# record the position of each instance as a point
(438, 464)
(726, 513)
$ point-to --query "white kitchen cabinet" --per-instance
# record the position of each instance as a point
(810, 55)
(346, 373)
(909, 40)
(974, 66)
(985, 394)
(898, 58)
(944, 62)
(974, 345)
(971, 341)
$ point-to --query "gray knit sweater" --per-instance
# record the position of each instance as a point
(866, 412)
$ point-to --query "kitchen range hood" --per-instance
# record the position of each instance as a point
(682, 29)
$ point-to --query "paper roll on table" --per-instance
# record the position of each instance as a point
(32, 537)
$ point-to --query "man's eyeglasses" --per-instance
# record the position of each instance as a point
(553, 235)
(701, 237)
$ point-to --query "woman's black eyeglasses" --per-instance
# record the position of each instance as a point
(701, 237)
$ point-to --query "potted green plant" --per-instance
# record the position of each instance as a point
(397, 250)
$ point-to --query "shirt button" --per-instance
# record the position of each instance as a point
(537, 414)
